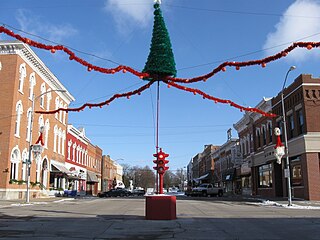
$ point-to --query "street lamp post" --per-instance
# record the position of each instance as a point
(286, 139)
(30, 139)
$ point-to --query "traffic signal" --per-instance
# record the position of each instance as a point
(161, 162)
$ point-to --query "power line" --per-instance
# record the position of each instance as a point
(242, 12)
(142, 126)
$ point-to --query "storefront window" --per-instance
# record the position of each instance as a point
(296, 171)
(265, 176)
(296, 175)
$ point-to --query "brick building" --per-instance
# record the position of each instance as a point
(24, 78)
(256, 143)
(77, 159)
(302, 108)
(302, 111)
(226, 159)
(94, 169)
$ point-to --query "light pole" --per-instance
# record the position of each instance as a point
(287, 170)
(30, 139)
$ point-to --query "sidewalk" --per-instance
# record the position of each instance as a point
(297, 203)
(44, 200)
(258, 200)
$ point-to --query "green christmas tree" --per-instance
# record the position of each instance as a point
(160, 62)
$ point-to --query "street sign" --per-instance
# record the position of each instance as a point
(286, 172)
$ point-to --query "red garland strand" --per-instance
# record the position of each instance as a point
(216, 100)
(221, 67)
(72, 55)
(107, 102)
(171, 81)
(263, 62)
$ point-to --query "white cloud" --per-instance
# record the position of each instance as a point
(299, 21)
(35, 25)
(130, 13)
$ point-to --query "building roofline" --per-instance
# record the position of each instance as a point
(25, 52)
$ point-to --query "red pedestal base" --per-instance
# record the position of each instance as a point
(161, 208)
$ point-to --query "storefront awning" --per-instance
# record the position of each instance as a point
(205, 176)
(59, 168)
(92, 177)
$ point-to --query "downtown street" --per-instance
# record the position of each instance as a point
(124, 218)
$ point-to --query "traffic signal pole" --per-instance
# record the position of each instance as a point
(157, 132)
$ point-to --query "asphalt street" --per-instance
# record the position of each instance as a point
(124, 218)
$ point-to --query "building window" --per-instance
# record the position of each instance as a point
(69, 149)
(55, 135)
(24, 165)
(300, 121)
(60, 112)
(296, 171)
(43, 90)
(297, 175)
(59, 140)
(46, 133)
(15, 159)
(64, 115)
(258, 138)
(49, 97)
(19, 112)
(264, 135)
(22, 76)
(270, 132)
(57, 106)
(265, 176)
(29, 114)
(74, 152)
(63, 139)
(291, 125)
(32, 83)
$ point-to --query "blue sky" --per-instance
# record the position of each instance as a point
(204, 33)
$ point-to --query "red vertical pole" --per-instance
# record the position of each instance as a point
(161, 183)
(157, 133)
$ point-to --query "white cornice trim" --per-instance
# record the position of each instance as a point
(27, 54)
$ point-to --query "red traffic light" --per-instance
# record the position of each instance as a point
(161, 161)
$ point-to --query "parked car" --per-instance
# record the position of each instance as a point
(119, 192)
(138, 192)
(206, 189)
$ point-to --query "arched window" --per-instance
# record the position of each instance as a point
(32, 83)
(42, 90)
(61, 112)
(59, 140)
(55, 132)
(69, 149)
(19, 111)
(40, 123)
(63, 137)
(44, 172)
(29, 115)
(258, 141)
(57, 106)
(74, 152)
(15, 159)
(46, 133)
(22, 76)
(49, 97)
(64, 114)
(270, 132)
(264, 135)
(25, 158)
